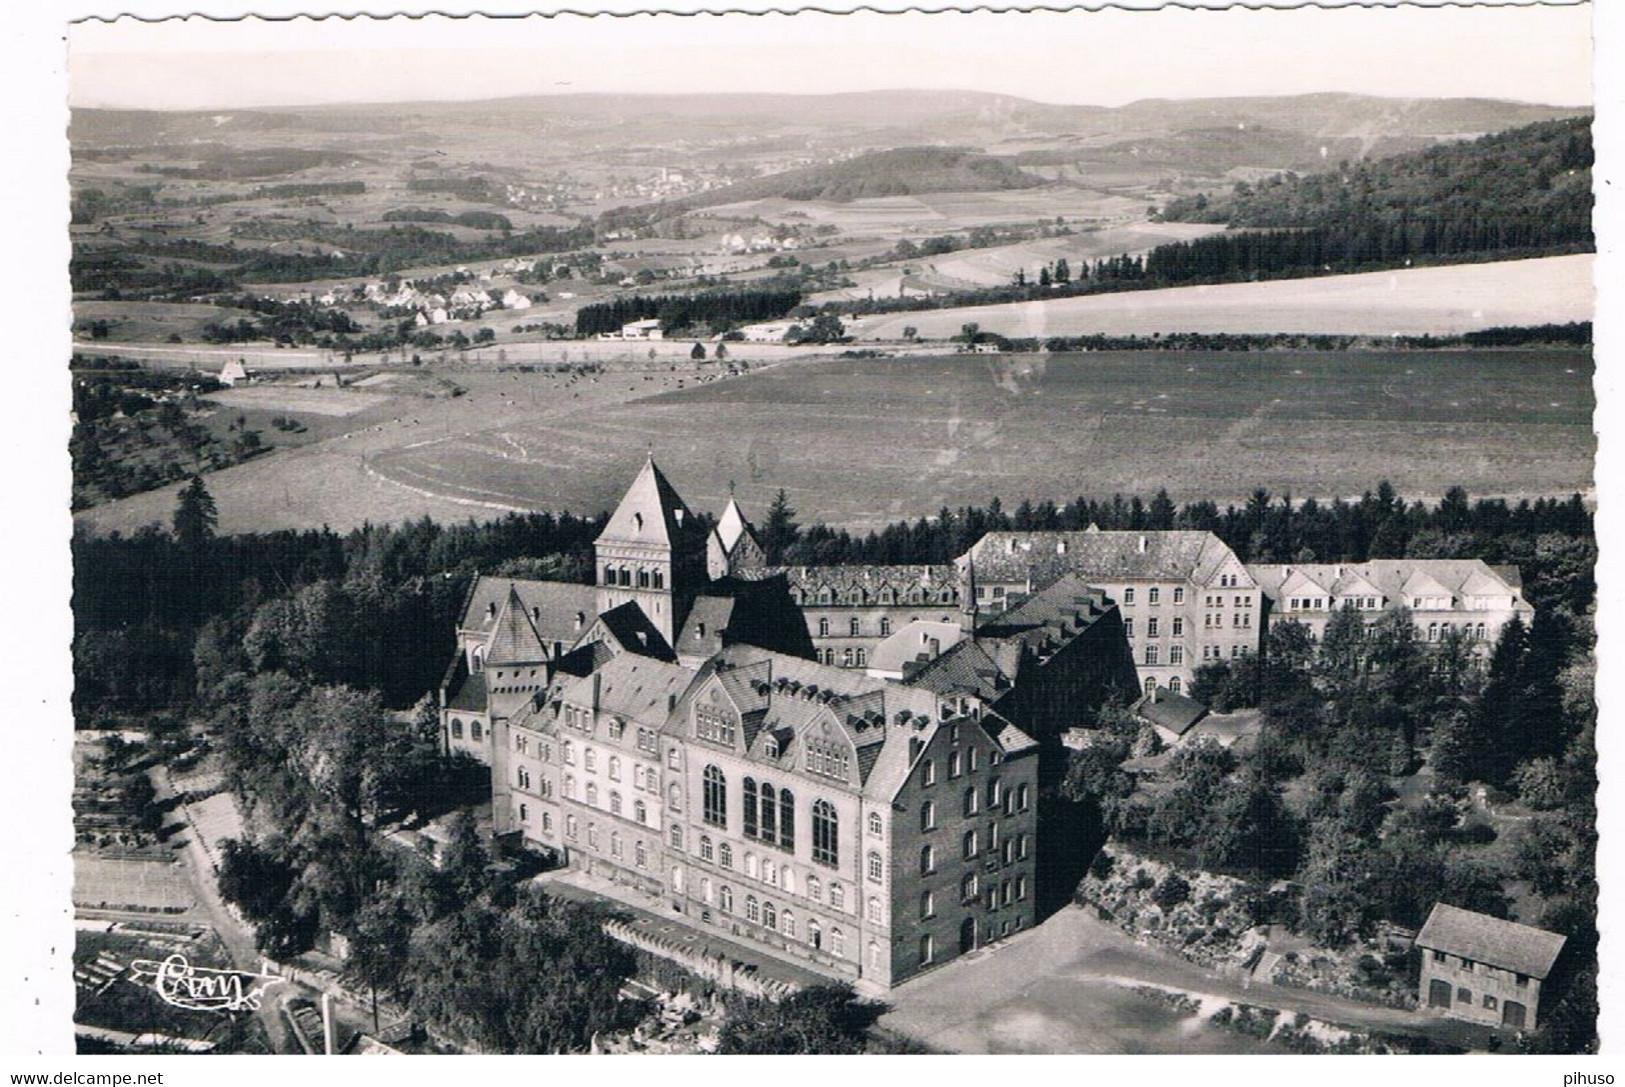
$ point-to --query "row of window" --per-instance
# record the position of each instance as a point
(1003, 893)
(640, 810)
(959, 763)
(645, 577)
(1216, 652)
(765, 869)
(1215, 620)
(765, 813)
(857, 597)
(1473, 967)
(850, 657)
(1153, 595)
(997, 797)
(1216, 600)
(783, 921)
(476, 731)
(640, 851)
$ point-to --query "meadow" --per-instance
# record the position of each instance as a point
(862, 443)
(1410, 302)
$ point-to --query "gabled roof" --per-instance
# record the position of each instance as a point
(1041, 557)
(633, 687)
(632, 631)
(514, 639)
(912, 642)
(650, 512)
(553, 606)
(1171, 710)
(1396, 579)
(1522, 949)
(469, 695)
(731, 526)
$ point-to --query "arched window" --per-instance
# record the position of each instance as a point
(967, 887)
(659, 579)
(928, 859)
(876, 867)
(640, 811)
(971, 801)
(1021, 796)
(643, 577)
(814, 888)
(874, 824)
(789, 880)
(614, 802)
(725, 855)
(826, 843)
(675, 836)
(753, 909)
(456, 728)
(885, 627)
(874, 909)
(970, 843)
(1150, 684)
(614, 768)
(726, 899)
(707, 851)
(1174, 684)
(715, 803)
(475, 732)
(705, 890)
(837, 897)
(854, 627)
(928, 816)
(750, 807)
(787, 819)
(615, 844)
(674, 797)
(874, 955)
(770, 916)
(823, 628)
(770, 814)
(815, 934)
(787, 923)
(592, 793)
(569, 753)
(837, 943)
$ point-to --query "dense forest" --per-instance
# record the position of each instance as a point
(1527, 190)
(713, 309)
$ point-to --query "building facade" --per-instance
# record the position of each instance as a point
(1483, 969)
(1185, 598)
(868, 826)
(1445, 597)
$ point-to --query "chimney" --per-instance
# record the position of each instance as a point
(671, 703)
(491, 610)
(535, 615)
(581, 619)
(597, 689)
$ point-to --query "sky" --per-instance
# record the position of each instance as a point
(1534, 54)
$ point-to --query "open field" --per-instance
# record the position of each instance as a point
(936, 213)
(864, 442)
(298, 401)
(996, 265)
(1439, 301)
(147, 884)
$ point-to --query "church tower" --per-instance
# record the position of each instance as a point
(652, 553)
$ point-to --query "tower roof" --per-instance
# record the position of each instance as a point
(732, 526)
(650, 512)
(514, 639)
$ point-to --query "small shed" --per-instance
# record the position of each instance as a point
(1170, 713)
(1483, 969)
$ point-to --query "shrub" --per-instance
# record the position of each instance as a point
(1171, 891)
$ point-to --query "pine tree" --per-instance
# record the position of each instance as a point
(195, 515)
(779, 530)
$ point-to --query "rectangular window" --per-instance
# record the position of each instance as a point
(1153, 595)
(1176, 654)
(1179, 595)
(1128, 627)
(1179, 627)
(1151, 628)
(1128, 594)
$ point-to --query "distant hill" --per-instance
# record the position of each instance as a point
(1536, 177)
(958, 117)
(903, 171)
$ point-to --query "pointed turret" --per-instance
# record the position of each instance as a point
(652, 552)
(514, 639)
(734, 546)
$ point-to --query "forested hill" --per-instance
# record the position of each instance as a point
(901, 171)
(1531, 183)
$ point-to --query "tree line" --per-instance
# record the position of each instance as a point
(714, 309)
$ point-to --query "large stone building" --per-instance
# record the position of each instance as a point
(1185, 598)
(673, 730)
(1467, 596)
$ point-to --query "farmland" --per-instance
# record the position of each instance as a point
(863, 442)
(1413, 301)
